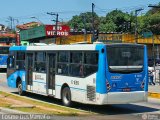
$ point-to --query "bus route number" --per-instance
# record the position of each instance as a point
(75, 82)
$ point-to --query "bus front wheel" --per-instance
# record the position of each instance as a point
(20, 91)
(66, 96)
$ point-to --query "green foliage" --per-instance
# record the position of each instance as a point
(107, 27)
(113, 22)
(151, 21)
(154, 24)
(118, 21)
(84, 20)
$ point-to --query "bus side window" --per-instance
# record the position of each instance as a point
(40, 62)
(20, 60)
(10, 62)
(76, 66)
(62, 63)
(90, 63)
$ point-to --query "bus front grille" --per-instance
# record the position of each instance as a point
(91, 93)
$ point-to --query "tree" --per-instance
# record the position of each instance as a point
(109, 26)
(148, 22)
(154, 24)
(115, 21)
(78, 21)
(151, 21)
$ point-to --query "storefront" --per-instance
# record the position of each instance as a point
(44, 34)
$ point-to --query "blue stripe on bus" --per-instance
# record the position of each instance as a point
(15, 48)
(74, 88)
(39, 81)
(100, 76)
(146, 68)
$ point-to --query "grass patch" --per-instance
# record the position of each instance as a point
(41, 111)
(7, 100)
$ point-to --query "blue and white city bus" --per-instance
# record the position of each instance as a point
(4, 50)
(86, 73)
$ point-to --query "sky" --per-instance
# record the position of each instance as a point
(22, 10)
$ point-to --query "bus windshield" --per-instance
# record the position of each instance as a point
(4, 50)
(125, 58)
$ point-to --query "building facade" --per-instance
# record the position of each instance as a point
(47, 34)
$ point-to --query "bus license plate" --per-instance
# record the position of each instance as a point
(126, 89)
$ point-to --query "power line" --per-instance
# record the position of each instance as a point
(54, 14)
(97, 9)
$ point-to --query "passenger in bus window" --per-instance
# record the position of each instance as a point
(81, 70)
(65, 69)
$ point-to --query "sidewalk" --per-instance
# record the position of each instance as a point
(154, 91)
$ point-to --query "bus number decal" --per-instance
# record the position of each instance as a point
(75, 82)
(116, 77)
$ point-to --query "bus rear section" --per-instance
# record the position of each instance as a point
(126, 74)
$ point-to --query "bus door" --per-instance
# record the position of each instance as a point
(51, 73)
(29, 71)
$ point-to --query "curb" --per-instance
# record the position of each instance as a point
(10, 111)
(154, 95)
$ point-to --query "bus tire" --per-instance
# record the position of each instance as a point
(20, 90)
(66, 96)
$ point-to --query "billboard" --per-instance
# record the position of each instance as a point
(62, 30)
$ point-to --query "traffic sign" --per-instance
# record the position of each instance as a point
(147, 34)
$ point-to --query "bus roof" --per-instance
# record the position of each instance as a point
(56, 47)
(77, 47)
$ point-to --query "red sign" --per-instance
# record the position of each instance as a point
(17, 38)
(62, 30)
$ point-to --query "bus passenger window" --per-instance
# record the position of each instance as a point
(63, 56)
(10, 62)
(40, 62)
(62, 69)
(76, 66)
(76, 57)
(62, 63)
(76, 70)
(90, 63)
(20, 60)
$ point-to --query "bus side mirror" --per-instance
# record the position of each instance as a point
(8, 61)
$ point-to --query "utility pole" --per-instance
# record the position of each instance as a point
(153, 52)
(93, 37)
(11, 21)
(136, 24)
(40, 22)
(51, 13)
(85, 32)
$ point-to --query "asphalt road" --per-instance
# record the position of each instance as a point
(136, 111)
